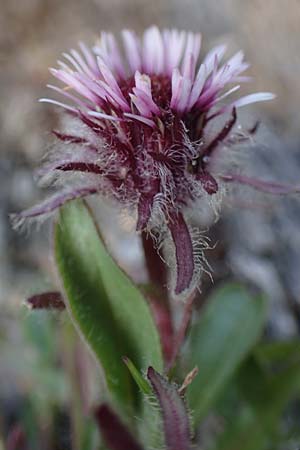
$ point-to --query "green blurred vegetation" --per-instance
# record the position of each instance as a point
(245, 395)
(247, 387)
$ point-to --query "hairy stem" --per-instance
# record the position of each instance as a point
(159, 302)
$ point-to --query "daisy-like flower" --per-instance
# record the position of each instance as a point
(140, 117)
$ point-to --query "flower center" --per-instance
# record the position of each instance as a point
(161, 89)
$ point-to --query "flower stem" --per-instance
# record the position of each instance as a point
(159, 300)
(180, 335)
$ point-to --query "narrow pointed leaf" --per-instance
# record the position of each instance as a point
(183, 252)
(138, 378)
(175, 417)
(219, 341)
(270, 187)
(107, 308)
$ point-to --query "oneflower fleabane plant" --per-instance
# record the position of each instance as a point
(141, 116)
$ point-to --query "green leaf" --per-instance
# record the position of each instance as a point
(138, 378)
(109, 311)
(245, 430)
(267, 395)
(229, 327)
(271, 354)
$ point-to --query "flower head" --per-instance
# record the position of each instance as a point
(141, 114)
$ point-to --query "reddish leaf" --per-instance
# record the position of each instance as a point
(51, 204)
(222, 135)
(46, 300)
(80, 166)
(113, 431)
(261, 185)
(208, 182)
(144, 211)
(184, 252)
(71, 139)
(16, 439)
(155, 266)
(175, 417)
(145, 204)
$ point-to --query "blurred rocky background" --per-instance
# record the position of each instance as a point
(259, 239)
